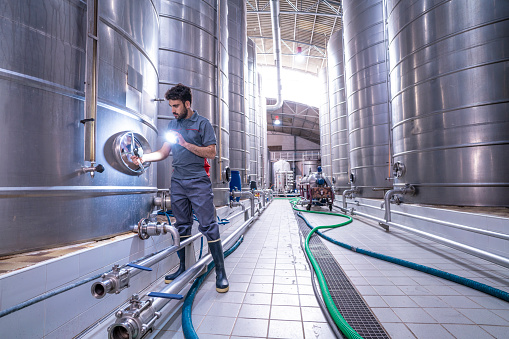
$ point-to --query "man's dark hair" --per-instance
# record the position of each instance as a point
(179, 92)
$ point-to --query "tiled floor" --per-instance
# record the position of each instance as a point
(271, 294)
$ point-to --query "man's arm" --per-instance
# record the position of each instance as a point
(158, 155)
(208, 152)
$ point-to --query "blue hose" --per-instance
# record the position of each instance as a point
(187, 321)
(441, 274)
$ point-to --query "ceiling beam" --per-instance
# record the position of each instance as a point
(289, 40)
(330, 15)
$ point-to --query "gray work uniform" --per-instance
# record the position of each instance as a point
(191, 188)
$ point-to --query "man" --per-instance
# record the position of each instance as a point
(191, 188)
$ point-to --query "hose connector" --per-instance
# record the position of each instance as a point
(113, 282)
(134, 321)
(162, 200)
(146, 228)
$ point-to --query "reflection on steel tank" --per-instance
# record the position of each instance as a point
(194, 51)
(44, 193)
(338, 113)
(450, 109)
(239, 120)
(365, 44)
(324, 121)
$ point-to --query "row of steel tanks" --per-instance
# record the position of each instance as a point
(418, 96)
(81, 94)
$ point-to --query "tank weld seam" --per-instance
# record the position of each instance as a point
(434, 42)
(190, 23)
(448, 147)
(129, 38)
(194, 56)
(444, 74)
(479, 104)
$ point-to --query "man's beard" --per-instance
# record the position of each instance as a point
(182, 116)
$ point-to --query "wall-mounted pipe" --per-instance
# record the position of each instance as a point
(408, 189)
(494, 258)
(348, 192)
(91, 83)
(135, 324)
(276, 48)
(118, 278)
(146, 228)
(243, 194)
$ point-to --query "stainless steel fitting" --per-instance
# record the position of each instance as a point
(135, 320)
(146, 228)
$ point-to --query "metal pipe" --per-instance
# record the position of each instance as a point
(133, 324)
(276, 43)
(461, 227)
(408, 189)
(241, 194)
(219, 94)
(456, 245)
(439, 222)
(503, 261)
(348, 192)
(146, 228)
(118, 279)
(91, 83)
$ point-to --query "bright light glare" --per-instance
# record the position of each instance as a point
(277, 122)
(297, 86)
(299, 57)
(171, 137)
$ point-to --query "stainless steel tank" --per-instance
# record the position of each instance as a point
(449, 90)
(338, 113)
(194, 51)
(253, 112)
(239, 121)
(46, 199)
(324, 121)
(366, 77)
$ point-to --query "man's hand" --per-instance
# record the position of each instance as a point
(137, 160)
(180, 139)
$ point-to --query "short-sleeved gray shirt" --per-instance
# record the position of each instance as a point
(195, 130)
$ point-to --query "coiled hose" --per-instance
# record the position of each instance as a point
(187, 321)
(441, 274)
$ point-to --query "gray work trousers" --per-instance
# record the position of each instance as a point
(194, 194)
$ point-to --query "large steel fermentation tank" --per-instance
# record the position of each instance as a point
(239, 120)
(324, 121)
(338, 112)
(253, 112)
(46, 200)
(366, 79)
(450, 110)
(194, 51)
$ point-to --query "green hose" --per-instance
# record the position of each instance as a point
(187, 320)
(340, 322)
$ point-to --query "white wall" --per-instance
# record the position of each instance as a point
(287, 142)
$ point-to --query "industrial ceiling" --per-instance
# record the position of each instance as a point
(306, 25)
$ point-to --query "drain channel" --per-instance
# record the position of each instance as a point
(346, 298)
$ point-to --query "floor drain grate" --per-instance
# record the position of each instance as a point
(346, 298)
